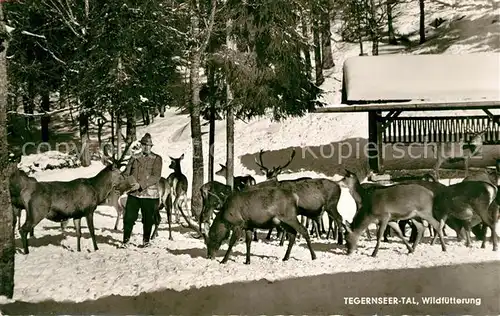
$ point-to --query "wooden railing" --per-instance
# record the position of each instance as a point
(438, 129)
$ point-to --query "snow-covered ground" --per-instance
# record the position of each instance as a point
(54, 270)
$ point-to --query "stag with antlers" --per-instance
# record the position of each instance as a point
(272, 174)
(59, 201)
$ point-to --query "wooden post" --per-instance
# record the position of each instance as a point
(374, 141)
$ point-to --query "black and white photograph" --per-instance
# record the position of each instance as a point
(257, 157)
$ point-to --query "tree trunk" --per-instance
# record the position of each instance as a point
(117, 152)
(374, 28)
(161, 108)
(7, 246)
(211, 131)
(326, 34)
(422, 21)
(360, 32)
(112, 114)
(83, 120)
(29, 103)
(390, 26)
(45, 120)
(317, 53)
(131, 128)
(194, 109)
(307, 52)
(375, 46)
(229, 119)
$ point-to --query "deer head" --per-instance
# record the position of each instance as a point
(175, 163)
(272, 174)
(475, 144)
(222, 171)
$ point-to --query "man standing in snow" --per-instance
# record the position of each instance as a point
(146, 169)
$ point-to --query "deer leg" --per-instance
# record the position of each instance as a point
(156, 219)
(399, 233)
(168, 208)
(322, 224)
(248, 242)
(282, 237)
(380, 233)
(315, 227)
(90, 224)
(119, 212)
(484, 229)
(438, 164)
(255, 236)
(419, 228)
(491, 223)
(438, 228)
(402, 226)
(169, 204)
(291, 242)
(493, 228)
(234, 238)
(78, 229)
(466, 162)
(467, 234)
(268, 237)
(387, 232)
(414, 231)
(32, 219)
(368, 234)
(297, 227)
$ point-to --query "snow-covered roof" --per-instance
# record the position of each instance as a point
(474, 77)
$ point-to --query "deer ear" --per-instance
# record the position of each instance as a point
(182, 156)
(170, 157)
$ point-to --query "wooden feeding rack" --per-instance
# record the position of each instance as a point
(387, 86)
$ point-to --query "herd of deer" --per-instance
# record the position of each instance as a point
(470, 205)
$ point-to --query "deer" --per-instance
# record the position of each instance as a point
(463, 150)
(176, 196)
(272, 179)
(247, 210)
(466, 199)
(239, 182)
(214, 194)
(59, 201)
(315, 197)
(386, 204)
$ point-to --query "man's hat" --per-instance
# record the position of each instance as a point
(146, 139)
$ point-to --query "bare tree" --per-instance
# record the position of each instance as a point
(7, 247)
(317, 51)
(196, 55)
(326, 34)
(422, 21)
(390, 27)
(307, 52)
(229, 120)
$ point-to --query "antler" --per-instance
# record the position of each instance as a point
(289, 161)
(260, 163)
(118, 162)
